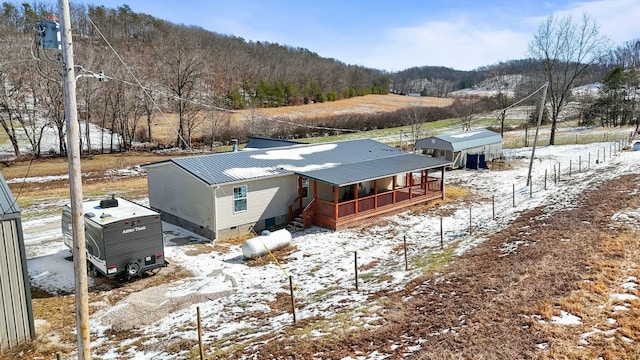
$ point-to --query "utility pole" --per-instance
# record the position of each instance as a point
(75, 184)
(535, 139)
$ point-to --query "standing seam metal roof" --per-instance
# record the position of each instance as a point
(8, 206)
(460, 141)
(362, 158)
(375, 169)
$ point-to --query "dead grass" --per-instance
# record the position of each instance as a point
(99, 178)
(280, 255)
(57, 334)
(452, 194)
(485, 305)
(164, 128)
(618, 332)
(471, 307)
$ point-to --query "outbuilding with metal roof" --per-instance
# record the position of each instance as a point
(465, 149)
(327, 184)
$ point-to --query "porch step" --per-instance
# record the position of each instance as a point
(296, 224)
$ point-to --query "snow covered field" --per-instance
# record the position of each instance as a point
(236, 300)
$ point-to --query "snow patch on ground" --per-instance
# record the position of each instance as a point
(236, 299)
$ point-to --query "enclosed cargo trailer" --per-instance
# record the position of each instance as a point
(122, 238)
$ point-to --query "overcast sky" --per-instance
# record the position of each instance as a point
(394, 35)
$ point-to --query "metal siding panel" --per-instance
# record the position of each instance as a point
(22, 313)
(15, 314)
(6, 302)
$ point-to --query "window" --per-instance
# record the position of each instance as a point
(305, 187)
(240, 198)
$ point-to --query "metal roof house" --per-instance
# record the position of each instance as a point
(327, 184)
(456, 148)
(16, 314)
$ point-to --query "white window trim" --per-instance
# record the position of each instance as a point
(245, 199)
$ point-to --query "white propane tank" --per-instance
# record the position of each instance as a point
(257, 246)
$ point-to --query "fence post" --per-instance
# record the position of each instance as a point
(559, 172)
(570, 165)
(355, 253)
(580, 164)
(200, 347)
(406, 262)
(293, 300)
(514, 195)
(545, 179)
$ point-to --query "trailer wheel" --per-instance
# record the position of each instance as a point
(133, 269)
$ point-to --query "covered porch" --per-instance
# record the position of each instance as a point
(338, 198)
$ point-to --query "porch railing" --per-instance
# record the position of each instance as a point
(381, 201)
(294, 208)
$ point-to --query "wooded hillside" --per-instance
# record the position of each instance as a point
(133, 69)
(149, 62)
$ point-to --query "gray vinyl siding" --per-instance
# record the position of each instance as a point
(266, 198)
(173, 190)
(16, 319)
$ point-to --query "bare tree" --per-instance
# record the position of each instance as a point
(53, 99)
(565, 49)
(415, 119)
(181, 71)
(218, 120)
(8, 112)
(466, 108)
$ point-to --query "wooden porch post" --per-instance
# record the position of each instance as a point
(355, 196)
(423, 180)
(426, 181)
(315, 189)
(394, 189)
(300, 191)
(375, 194)
(336, 190)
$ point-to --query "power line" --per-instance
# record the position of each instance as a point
(523, 99)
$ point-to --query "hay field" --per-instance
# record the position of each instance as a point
(165, 125)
